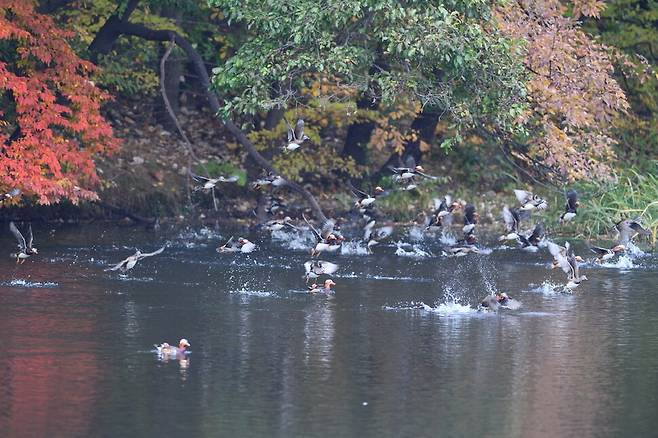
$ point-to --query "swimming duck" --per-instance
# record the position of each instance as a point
(442, 215)
(629, 228)
(532, 239)
(512, 218)
(210, 183)
(295, 136)
(604, 254)
(130, 262)
(377, 235)
(494, 301)
(315, 268)
(570, 208)
(26, 249)
(165, 349)
(530, 201)
(314, 289)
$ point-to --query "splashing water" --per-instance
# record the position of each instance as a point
(550, 288)
(30, 284)
(623, 262)
(447, 238)
(416, 234)
(294, 240)
(353, 248)
(416, 251)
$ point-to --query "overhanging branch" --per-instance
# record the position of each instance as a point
(118, 27)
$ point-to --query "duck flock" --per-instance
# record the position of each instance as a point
(376, 230)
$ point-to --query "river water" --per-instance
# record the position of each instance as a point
(398, 351)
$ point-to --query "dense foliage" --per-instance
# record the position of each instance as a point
(52, 127)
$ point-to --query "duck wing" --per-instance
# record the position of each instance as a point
(383, 232)
(511, 222)
(559, 253)
(598, 250)
(573, 265)
(119, 265)
(572, 201)
(230, 179)
(537, 234)
(299, 129)
(359, 193)
(327, 268)
(425, 175)
(523, 196)
(199, 178)
(469, 215)
(318, 236)
(19, 236)
(150, 254)
(291, 133)
(638, 228)
(30, 236)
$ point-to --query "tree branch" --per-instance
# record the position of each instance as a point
(126, 28)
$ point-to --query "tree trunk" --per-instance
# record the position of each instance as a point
(358, 135)
(127, 28)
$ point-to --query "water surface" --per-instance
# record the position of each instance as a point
(390, 354)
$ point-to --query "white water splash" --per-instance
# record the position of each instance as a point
(353, 248)
(623, 262)
(416, 234)
(30, 284)
(253, 293)
(447, 239)
(634, 251)
(294, 240)
(549, 288)
(416, 251)
(485, 251)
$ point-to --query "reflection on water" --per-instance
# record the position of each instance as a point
(399, 350)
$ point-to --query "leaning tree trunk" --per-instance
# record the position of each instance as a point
(118, 26)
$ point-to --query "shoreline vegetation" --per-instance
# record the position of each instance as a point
(163, 92)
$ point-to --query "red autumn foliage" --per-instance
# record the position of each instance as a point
(51, 127)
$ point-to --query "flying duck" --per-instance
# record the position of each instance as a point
(530, 201)
(271, 179)
(326, 240)
(568, 261)
(470, 219)
(210, 183)
(25, 248)
(442, 215)
(604, 254)
(314, 289)
(377, 235)
(512, 218)
(629, 228)
(130, 262)
(11, 194)
(279, 224)
(365, 200)
(315, 268)
(570, 207)
(165, 349)
(532, 239)
(295, 136)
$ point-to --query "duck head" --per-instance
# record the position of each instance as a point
(328, 283)
(419, 168)
(379, 190)
(183, 344)
(619, 248)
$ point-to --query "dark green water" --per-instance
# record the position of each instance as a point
(268, 361)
